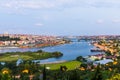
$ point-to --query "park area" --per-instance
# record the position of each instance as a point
(71, 65)
(38, 55)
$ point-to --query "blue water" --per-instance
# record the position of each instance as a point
(70, 51)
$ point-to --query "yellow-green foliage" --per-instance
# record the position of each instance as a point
(14, 56)
(115, 77)
(70, 65)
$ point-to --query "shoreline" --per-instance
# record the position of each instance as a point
(100, 47)
(105, 48)
(7, 47)
(36, 46)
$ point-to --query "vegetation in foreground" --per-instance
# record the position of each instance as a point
(71, 65)
(14, 56)
(28, 70)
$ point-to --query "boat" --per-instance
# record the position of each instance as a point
(96, 50)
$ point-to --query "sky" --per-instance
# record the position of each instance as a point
(60, 17)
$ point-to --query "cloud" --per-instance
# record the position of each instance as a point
(116, 20)
(48, 4)
(39, 24)
(17, 5)
(7, 5)
(38, 4)
(104, 3)
(100, 21)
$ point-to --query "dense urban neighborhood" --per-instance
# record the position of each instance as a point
(29, 41)
(27, 65)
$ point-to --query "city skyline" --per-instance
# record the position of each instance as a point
(60, 17)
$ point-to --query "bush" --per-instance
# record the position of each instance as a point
(80, 58)
(57, 54)
(39, 51)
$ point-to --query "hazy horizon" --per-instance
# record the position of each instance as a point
(60, 17)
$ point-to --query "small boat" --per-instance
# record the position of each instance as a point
(96, 50)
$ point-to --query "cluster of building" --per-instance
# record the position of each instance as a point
(98, 57)
(100, 37)
(25, 40)
(111, 49)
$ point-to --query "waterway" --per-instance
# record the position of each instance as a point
(70, 51)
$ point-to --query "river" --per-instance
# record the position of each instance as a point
(70, 51)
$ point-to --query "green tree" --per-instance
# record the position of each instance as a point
(44, 73)
(98, 74)
(80, 58)
(6, 77)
